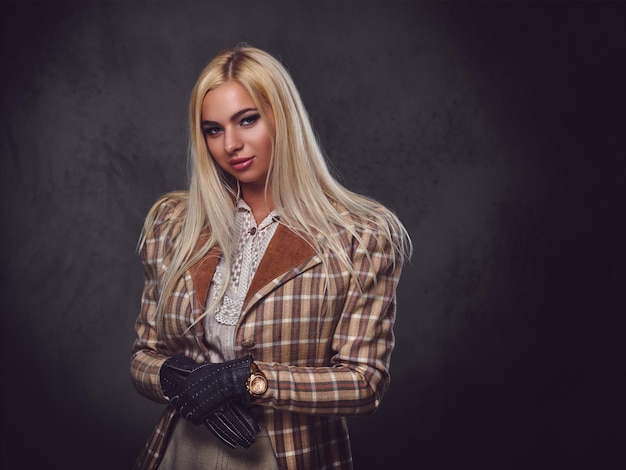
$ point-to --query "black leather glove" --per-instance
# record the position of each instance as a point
(212, 394)
(234, 425)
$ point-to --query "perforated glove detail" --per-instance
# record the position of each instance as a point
(234, 425)
(207, 387)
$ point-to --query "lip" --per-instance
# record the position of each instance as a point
(241, 163)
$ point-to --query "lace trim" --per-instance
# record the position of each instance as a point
(253, 241)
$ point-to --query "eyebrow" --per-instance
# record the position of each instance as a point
(233, 118)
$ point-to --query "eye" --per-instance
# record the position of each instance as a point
(211, 131)
(249, 120)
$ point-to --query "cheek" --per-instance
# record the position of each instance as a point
(216, 156)
(266, 142)
(213, 148)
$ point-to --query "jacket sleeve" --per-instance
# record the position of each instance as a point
(362, 342)
(148, 350)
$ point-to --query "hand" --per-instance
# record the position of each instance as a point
(234, 425)
(199, 390)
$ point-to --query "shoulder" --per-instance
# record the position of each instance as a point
(368, 217)
(165, 217)
(167, 208)
(375, 228)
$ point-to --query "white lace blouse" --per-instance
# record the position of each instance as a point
(253, 241)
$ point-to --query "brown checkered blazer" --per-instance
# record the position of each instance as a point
(325, 356)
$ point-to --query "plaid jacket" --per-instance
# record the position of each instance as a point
(325, 353)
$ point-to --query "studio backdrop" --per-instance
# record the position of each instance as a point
(493, 130)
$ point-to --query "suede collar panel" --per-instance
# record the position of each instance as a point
(285, 251)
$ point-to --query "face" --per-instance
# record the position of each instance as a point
(239, 140)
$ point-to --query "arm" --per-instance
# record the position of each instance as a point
(361, 345)
(213, 395)
(149, 351)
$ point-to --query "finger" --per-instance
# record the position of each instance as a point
(229, 424)
(230, 421)
(244, 417)
(222, 433)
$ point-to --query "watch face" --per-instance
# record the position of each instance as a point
(258, 385)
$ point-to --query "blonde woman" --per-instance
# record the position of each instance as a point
(270, 289)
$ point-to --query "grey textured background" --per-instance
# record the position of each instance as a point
(495, 132)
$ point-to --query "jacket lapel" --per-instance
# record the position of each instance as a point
(285, 251)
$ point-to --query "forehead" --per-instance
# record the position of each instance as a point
(226, 99)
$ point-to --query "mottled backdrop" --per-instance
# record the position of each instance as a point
(495, 131)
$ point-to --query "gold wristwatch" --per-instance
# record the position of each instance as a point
(257, 383)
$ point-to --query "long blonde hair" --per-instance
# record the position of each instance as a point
(310, 200)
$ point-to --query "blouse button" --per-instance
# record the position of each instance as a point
(248, 344)
(252, 230)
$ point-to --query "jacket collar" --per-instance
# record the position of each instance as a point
(285, 251)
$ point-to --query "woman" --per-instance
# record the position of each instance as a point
(269, 302)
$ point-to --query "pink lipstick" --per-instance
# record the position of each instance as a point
(241, 163)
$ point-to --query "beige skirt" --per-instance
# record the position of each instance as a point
(195, 447)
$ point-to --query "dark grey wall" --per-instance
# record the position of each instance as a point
(496, 133)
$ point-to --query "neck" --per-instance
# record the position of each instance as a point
(259, 202)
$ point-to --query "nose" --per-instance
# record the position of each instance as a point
(232, 142)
